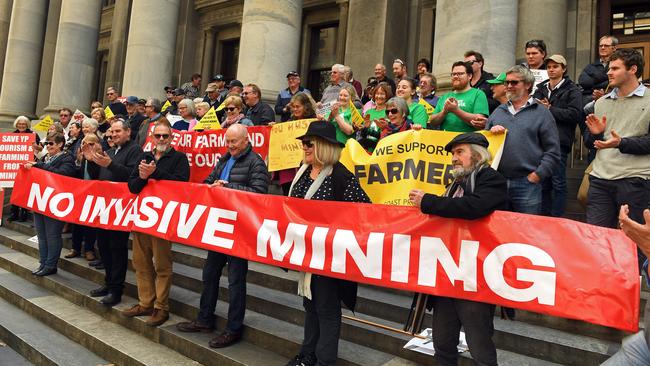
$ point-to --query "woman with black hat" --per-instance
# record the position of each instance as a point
(323, 177)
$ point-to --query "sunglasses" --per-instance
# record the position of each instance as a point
(230, 109)
(159, 136)
(392, 111)
(48, 143)
(64, 115)
(307, 143)
(512, 82)
(89, 143)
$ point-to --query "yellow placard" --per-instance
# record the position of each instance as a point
(221, 106)
(108, 112)
(285, 151)
(408, 160)
(209, 121)
(165, 106)
(44, 124)
(427, 107)
(356, 117)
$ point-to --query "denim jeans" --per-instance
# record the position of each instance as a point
(554, 190)
(237, 269)
(633, 352)
(50, 242)
(524, 196)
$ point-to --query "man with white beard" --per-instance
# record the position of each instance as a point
(477, 190)
(532, 148)
(152, 256)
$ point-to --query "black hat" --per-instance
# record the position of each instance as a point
(467, 138)
(235, 82)
(179, 91)
(169, 89)
(217, 77)
(324, 130)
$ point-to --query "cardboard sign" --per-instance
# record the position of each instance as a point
(285, 151)
(15, 150)
(209, 121)
(44, 124)
(108, 112)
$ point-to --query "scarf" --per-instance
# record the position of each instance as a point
(304, 278)
(391, 129)
(232, 120)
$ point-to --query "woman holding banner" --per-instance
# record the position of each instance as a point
(406, 90)
(48, 229)
(397, 113)
(187, 112)
(323, 177)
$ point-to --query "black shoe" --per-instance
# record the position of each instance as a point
(302, 360)
(40, 267)
(46, 271)
(100, 266)
(95, 263)
(13, 217)
(111, 299)
(102, 291)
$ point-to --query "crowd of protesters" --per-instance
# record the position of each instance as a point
(608, 105)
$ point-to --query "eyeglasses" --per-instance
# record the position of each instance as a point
(110, 93)
(471, 62)
(512, 82)
(307, 143)
(245, 93)
(605, 45)
(392, 111)
(64, 115)
(457, 74)
(230, 109)
(159, 136)
(48, 143)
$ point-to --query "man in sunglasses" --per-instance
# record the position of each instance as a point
(532, 149)
(117, 107)
(154, 281)
(243, 169)
(114, 165)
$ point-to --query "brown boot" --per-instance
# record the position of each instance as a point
(73, 254)
(158, 317)
(137, 310)
(90, 256)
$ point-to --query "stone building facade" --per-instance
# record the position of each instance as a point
(66, 52)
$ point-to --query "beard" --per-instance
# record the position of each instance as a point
(460, 172)
(162, 147)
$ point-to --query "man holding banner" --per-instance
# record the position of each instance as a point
(477, 190)
(241, 169)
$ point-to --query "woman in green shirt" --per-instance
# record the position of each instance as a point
(375, 118)
(341, 115)
(417, 113)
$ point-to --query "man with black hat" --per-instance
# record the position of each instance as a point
(235, 86)
(220, 82)
(178, 95)
(282, 106)
(134, 117)
(476, 191)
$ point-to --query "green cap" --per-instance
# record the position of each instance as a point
(499, 79)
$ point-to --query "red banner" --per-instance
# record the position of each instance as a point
(203, 149)
(547, 265)
(15, 150)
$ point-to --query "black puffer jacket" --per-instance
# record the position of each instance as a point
(594, 76)
(248, 174)
(566, 108)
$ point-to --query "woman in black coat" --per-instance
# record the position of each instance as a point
(49, 229)
(323, 177)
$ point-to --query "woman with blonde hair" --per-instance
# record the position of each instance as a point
(234, 106)
(323, 177)
(102, 124)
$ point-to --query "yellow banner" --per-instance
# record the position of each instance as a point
(165, 106)
(285, 151)
(427, 107)
(408, 160)
(108, 112)
(221, 106)
(44, 124)
(209, 121)
(355, 116)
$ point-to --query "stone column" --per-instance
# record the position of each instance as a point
(545, 20)
(117, 46)
(75, 54)
(269, 43)
(344, 10)
(484, 25)
(208, 57)
(23, 60)
(5, 18)
(150, 51)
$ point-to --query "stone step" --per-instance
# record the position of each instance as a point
(39, 343)
(107, 339)
(8, 356)
(281, 339)
(278, 304)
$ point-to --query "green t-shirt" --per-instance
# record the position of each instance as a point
(471, 101)
(375, 114)
(418, 115)
(347, 117)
